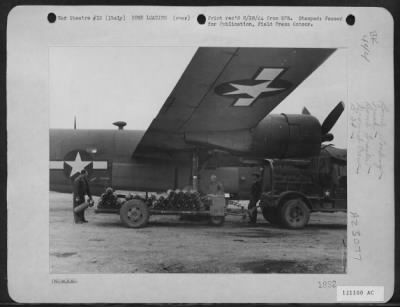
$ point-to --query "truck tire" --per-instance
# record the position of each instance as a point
(134, 213)
(295, 213)
(271, 215)
(217, 220)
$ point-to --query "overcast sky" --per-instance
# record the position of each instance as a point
(101, 85)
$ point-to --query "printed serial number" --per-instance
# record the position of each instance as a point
(355, 292)
(360, 293)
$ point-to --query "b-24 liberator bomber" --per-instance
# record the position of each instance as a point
(216, 117)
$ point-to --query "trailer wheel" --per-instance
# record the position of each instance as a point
(295, 213)
(134, 213)
(217, 220)
(271, 215)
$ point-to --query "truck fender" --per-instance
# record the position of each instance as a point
(267, 201)
(283, 197)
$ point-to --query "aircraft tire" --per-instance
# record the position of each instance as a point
(295, 213)
(271, 215)
(217, 220)
(134, 214)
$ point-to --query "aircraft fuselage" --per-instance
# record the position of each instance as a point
(107, 155)
(112, 159)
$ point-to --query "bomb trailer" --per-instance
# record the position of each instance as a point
(292, 190)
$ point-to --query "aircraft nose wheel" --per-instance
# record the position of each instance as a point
(295, 213)
(134, 213)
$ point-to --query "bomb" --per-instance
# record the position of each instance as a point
(83, 206)
(177, 200)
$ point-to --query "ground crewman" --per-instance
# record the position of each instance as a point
(254, 198)
(215, 187)
(80, 189)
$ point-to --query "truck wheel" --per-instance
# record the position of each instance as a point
(134, 214)
(271, 215)
(295, 213)
(217, 220)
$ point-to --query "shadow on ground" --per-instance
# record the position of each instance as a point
(283, 266)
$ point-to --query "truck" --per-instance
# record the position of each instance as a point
(293, 189)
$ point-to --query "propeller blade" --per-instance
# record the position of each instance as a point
(332, 118)
(305, 111)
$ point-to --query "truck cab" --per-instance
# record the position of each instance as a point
(294, 188)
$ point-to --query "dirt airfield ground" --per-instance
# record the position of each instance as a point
(168, 245)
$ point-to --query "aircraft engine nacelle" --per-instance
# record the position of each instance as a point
(276, 136)
(287, 136)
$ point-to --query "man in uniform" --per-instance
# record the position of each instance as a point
(254, 198)
(81, 187)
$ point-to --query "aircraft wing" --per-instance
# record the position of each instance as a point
(228, 89)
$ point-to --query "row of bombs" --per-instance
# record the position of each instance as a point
(110, 200)
(179, 200)
(189, 200)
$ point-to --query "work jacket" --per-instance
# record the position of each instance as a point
(256, 190)
(215, 188)
(81, 187)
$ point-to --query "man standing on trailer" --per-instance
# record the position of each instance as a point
(254, 198)
(81, 187)
(215, 187)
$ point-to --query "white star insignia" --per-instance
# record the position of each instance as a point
(252, 90)
(77, 165)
